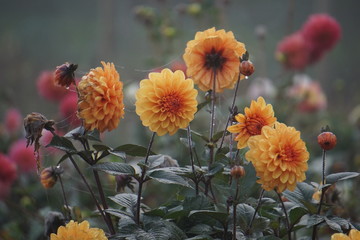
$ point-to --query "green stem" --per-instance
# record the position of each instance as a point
(256, 210)
(67, 210)
(234, 209)
(142, 180)
(232, 111)
(286, 215)
(192, 161)
(90, 190)
(212, 120)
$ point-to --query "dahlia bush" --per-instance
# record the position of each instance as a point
(235, 174)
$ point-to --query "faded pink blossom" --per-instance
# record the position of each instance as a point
(48, 89)
(68, 109)
(7, 175)
(13, 120)
(23, 156)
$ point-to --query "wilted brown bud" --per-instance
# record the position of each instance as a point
(327, 140)
(34, 123)
(237, 172)
(247, 68)
(123, 181)
(65, 74)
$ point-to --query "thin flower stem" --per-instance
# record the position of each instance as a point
(192, 160)
(256, 210)
(323, 190)
(67, 210)
(286, 215)
(141, 180)
(232, 111)
(103, 200)
(234, 209)
(90, 190)
(212, 120)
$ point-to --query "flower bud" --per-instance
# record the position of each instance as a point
(247, 68)
(327, 140)
(48, 177)
(64, 74)
(237, 172)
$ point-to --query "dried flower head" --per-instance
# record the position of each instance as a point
(75, 230)
(214, 52)
(247, 68)
(354, 234)
(279, 157)
(65, 74)
(256, 117)
(34, 123)
(101, 98)
(327, 140)
(166, 101)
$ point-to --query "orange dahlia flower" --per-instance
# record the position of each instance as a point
(101, 98)
(279, 157)
(353, 235)
(75, 231)
(257, 116)
(166, 101)
(214, 51)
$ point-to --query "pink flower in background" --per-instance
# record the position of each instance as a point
(7, 175)
(308, 94)
(68, 109)
(293, 51)
(261, 87)
(46, 139)
(13, 120)
(48, 89)
(23, 156)
(322, 32)
(178, 65)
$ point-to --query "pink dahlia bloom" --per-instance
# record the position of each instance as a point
(48, 89)
(23, 156)
(293, 51)
(322, 32)
(7, 175)
(68, 109)
(13, 120)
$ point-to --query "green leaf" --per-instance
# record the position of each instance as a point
(215, 168)
(167, 177)
(76, 132)
(62, 143)
(200, 237)
(93, 135)
(119, 154)
(201, 229)
(199, 202)
(301, 196)
(126, 200)
(269, 238)
(259, 224)
(100, 147)
(186, 142)
(218, 135)
(115, 168)
(201, 105)
(219, 216)
(333, 225)
(336, 177)
(156, 160)
(244, 215)
(314, 220)
(295, 214)
(119, 213)
(133, 150)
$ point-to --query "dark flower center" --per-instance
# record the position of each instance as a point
(214, 59)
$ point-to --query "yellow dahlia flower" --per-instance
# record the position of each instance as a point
(78, 231)
(257, 116)
(211, 51)
(353, 235)
(279, 157)
(101, 98)
(166, 101)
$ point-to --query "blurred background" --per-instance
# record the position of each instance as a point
(144, 36)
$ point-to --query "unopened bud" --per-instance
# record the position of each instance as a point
(247, 68)
(65, 74)
(327, 140)
(48, 177)
(237, 172)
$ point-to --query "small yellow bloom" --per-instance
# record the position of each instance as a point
(256, 117)
(101, 98)
(78, 231)
(166, 101)
(353, 235)
(279, 157)
(214, 51)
